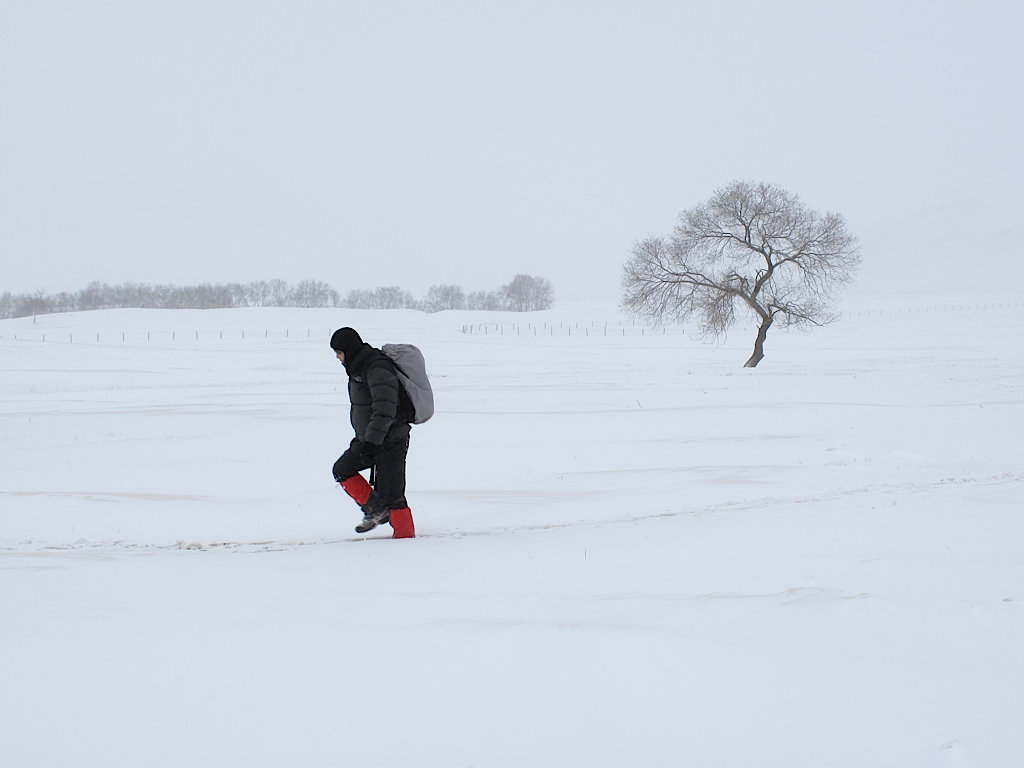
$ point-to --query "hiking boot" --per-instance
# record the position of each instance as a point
(371, 519)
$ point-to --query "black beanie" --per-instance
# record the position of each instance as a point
(346, 340)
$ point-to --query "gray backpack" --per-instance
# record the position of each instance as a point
(412, 372)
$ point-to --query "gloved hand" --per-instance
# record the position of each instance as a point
(369, 453)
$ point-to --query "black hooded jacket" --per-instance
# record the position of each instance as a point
(380, 412)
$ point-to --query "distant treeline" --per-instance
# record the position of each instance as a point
(523, 294)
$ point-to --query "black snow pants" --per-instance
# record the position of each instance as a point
(390, 470)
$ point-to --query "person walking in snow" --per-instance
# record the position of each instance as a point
(381, 415)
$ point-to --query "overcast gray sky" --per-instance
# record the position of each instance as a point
(413, 143)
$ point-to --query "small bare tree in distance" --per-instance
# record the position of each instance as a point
(751, 247)
(442, 297)
(392, 297)
(527, 294)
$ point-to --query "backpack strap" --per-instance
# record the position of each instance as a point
(405, 409)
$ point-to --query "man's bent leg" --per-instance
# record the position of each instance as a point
(357, 487)
(349, 463)
(346, 472)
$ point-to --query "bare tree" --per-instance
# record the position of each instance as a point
(64, 302)
(527, 294)
(93, 296)
(485, 300)
(130, 295)
(392, 297)
(279, 293)
(751, 248)
(442, 297)
(314, 293)
(524, 293)
(28, 304)
(163, 296)
(358, 298)
(255, 293)
(239, 294)
(211, 296)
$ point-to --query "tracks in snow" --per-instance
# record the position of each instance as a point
(100, 547)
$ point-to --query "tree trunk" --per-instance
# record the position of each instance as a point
(762, 333)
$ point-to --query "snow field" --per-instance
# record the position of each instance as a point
(631, 549)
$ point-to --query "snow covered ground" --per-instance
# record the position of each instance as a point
(631, 550)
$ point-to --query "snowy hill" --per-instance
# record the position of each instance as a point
(631, 551)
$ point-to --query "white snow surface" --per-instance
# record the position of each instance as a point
(631, 550)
